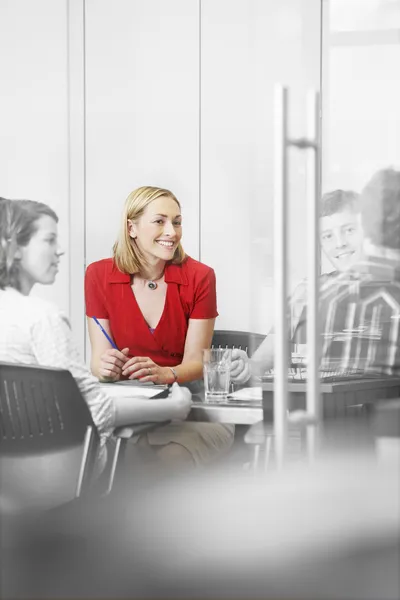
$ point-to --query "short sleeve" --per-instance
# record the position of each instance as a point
(94, 294)
(205, 298)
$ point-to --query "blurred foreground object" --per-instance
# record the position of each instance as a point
(327, 530)
(330, 530)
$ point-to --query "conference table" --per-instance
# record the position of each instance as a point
(337, 398)
(253, 406)
(229, 410)
(344, 406)
(249, 405)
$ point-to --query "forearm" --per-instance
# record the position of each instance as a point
(189, 370)
(258, 368)
(95, 367)
(139, 410)
(263, 358)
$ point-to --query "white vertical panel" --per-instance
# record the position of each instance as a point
(76, 88)
(246, 47)
(142, 111)
(227, 153)
(34, 115)
(281, 350)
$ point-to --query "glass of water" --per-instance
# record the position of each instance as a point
(217, 372)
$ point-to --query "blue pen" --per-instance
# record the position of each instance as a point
(105, 333)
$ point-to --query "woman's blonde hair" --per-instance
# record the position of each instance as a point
(127, 255)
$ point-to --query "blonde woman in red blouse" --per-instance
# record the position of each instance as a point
(158, 306)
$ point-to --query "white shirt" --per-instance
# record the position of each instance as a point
(35, 332)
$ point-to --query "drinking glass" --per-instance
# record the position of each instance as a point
(216, 371)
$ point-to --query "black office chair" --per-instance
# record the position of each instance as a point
(44, 423)
(244, 340)
(42, 411)
(42, 416)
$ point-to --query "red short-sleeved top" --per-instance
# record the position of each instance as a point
(191, 294)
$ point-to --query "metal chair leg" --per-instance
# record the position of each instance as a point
(267, 450)
(114, 465)
(256, 457)
(84, 461)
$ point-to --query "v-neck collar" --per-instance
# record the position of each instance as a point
(172, 274)
(141, 316)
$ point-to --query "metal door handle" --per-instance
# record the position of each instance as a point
(311, 144)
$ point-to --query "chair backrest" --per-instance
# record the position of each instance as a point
(41, 410)
(243, 340)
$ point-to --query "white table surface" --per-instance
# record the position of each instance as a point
(238, 411)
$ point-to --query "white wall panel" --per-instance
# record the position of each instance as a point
(76, 88)
(246, 47)
(142, 111)
(99, 97)
(227, 153)
(34, 115)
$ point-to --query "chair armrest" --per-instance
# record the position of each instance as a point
(129, 431)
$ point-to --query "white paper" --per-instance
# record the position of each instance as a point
(248, 393)
(134, 391)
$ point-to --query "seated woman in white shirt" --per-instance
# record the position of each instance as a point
(34, 331)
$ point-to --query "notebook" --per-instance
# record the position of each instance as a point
(118, 390)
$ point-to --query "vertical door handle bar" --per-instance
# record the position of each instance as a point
(281, 349)
(313, 267)
(311, 144)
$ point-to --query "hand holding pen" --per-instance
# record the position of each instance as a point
(112, 359)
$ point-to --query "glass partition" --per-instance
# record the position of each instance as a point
(361, 91)
(247, 46)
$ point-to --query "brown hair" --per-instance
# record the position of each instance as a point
(380, 209)
(17, 225)
(339, 201)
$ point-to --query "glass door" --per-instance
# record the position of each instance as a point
(247, 47)
(360, 91)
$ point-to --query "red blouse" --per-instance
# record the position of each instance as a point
(191, 294)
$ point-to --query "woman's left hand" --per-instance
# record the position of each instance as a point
(145, 369)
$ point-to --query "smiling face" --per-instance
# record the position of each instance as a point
(342, 238)
(158, 231)
(38, 260)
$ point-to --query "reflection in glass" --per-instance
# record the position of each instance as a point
(364, 15)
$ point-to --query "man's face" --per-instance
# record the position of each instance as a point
(342, 238)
